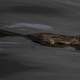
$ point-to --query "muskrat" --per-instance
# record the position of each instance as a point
(47, 39)
(55, 40)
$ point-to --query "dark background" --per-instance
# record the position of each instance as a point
(24, 61)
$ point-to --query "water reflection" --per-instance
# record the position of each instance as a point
(40, 63)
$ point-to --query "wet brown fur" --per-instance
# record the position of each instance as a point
(56, 40)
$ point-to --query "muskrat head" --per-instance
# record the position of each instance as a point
(41, 38)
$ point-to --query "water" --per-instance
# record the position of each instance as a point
(21, 59)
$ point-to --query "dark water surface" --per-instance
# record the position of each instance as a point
(21, 59)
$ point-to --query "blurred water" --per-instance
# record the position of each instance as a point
(30, 61)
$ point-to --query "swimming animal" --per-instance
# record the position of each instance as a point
(55, 40)
(47, 39)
